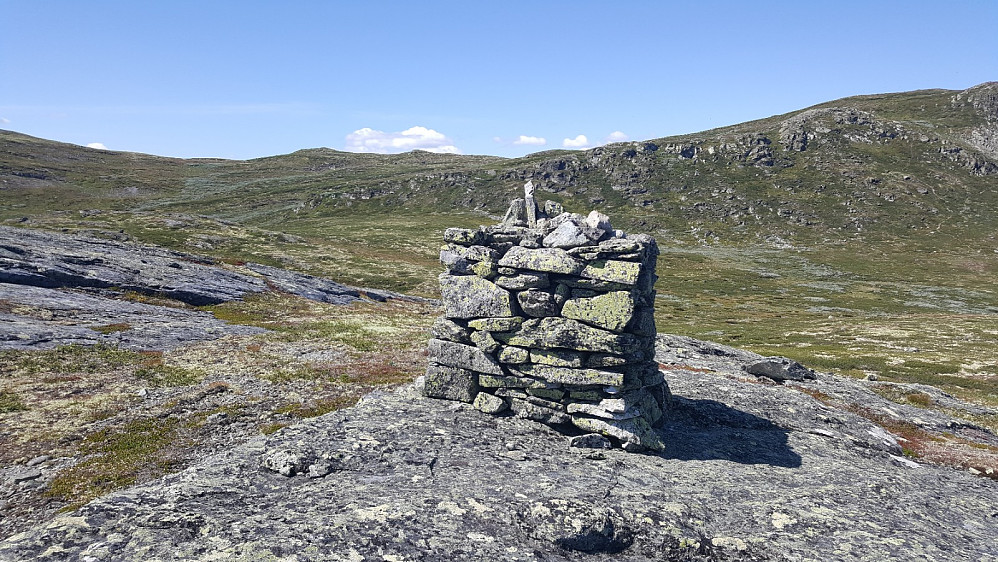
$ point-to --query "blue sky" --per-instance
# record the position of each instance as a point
(248, 79)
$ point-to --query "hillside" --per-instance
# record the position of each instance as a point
(873, 167)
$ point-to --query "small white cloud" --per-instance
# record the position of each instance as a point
(616, 136)
(97, 145)
(421, 138)
(578, 142)
(533, 141)
(497, 139)
(4, 120)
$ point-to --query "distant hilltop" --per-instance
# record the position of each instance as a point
(871, 166)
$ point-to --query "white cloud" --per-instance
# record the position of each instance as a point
(616, 136)
(578, 142)
(370, 140)
(4, 120)
(97, 145)
(534, 141)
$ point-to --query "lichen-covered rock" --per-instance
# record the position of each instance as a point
(536, 412)
(463, 356)
(446, 329)
(551, 260)
(496, 324)
(556, 332)
(513, 355)
(511, 381)
(538, 303)
(469, 296)
(485, 341)
(525, 280)
(567, 375)
(552, 208)
(570, 235)
(780, 369)
(557, 357)
(288, 462)
(590, 441)
(554, 394)
(611, 311)
(450, 383)
(516, 214)
(635, 433)
(750, 473)
(487, 269)
(632, 405)
(614, 271)
(490, 404)
(464, 236)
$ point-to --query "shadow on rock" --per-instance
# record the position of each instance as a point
(711, 430)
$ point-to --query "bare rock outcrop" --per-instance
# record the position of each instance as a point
(750, 472)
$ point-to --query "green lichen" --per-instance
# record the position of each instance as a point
(551, 260)
(614, 271)
(566, 375)
(556, 357)
(612, 311)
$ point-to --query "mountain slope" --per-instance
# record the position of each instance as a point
(869, 166)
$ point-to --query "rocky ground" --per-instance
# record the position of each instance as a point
(753, 470)
(228, 440)
(110, 375)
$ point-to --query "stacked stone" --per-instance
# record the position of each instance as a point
(549, 315)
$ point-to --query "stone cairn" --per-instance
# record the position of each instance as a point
(549, 316)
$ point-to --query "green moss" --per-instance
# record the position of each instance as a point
(11, 402)
(271, 428)
(115, 458)
(169, 375)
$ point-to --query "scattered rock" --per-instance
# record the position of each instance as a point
(590, 441)
(288, 462)
(780, 369)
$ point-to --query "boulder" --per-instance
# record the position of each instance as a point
(780, 369)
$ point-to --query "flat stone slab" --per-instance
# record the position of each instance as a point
(550, 260)
(470, 296)
(610, 311)
(613, 271)
(462, 356)
(566, 333)
(568, 375)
